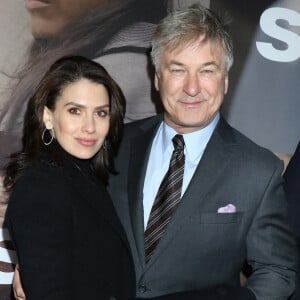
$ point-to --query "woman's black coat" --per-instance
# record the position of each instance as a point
(69, 240)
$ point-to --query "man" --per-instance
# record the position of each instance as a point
(202, 249)
(232, 208)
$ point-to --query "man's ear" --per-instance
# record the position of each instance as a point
(226, 85)
(156, 81)
(47, 118)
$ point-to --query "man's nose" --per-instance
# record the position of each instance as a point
(192, 85)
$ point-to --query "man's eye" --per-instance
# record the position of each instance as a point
(207, 71)
(176, 71)
(74, 110)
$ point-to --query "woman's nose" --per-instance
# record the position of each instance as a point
(89, 124)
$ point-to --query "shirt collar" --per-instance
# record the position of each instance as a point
(195, 142)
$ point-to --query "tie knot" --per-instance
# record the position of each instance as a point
(178, 142)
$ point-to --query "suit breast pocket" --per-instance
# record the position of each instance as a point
(218, 218)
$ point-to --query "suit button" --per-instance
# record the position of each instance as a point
(142, 288)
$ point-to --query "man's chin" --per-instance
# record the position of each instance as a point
(185, 127)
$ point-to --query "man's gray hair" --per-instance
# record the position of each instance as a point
(186, 25)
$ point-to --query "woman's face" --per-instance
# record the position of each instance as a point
(49, 17)
(80, 119)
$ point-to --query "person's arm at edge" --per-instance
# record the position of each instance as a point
(17, 285)
(271, 248)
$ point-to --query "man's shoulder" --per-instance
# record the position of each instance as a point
(139, 126)
(246, 147)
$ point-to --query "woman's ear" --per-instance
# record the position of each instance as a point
(47, 118)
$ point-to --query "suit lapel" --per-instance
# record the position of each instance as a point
(139, 153)
(216, 157)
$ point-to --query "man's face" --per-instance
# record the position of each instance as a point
(49, 17)
(192, 82)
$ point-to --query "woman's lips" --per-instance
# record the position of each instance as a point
(86, 142)
(35, 4)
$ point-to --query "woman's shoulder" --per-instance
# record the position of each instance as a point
(41, 179)
(42, 172)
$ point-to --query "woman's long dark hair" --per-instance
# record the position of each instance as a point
(63, 72)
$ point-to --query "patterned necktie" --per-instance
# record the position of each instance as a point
(167, 198)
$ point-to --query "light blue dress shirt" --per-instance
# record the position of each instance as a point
(160, 155)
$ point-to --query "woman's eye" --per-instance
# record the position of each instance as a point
(102, 113)
(74, 110)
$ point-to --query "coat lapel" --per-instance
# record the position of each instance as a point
(97, 198)
(216, 157)
(139, 153)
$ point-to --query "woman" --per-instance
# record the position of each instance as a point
(69, 241)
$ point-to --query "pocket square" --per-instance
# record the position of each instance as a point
(230, 208)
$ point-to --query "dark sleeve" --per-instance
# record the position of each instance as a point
(39, 220)
(291, 176)
(292, 190)
(271, 247)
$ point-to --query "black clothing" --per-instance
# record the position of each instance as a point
(69, 240)
(292, 189)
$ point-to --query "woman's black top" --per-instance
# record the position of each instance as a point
(69, 240)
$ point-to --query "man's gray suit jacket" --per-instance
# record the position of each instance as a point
(202, 249)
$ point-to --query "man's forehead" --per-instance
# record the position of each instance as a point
(215, 48)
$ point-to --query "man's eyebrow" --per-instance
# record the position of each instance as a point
(174, 62)
(177, 63)
(210, 63)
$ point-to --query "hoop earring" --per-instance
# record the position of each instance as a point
(47, 143)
